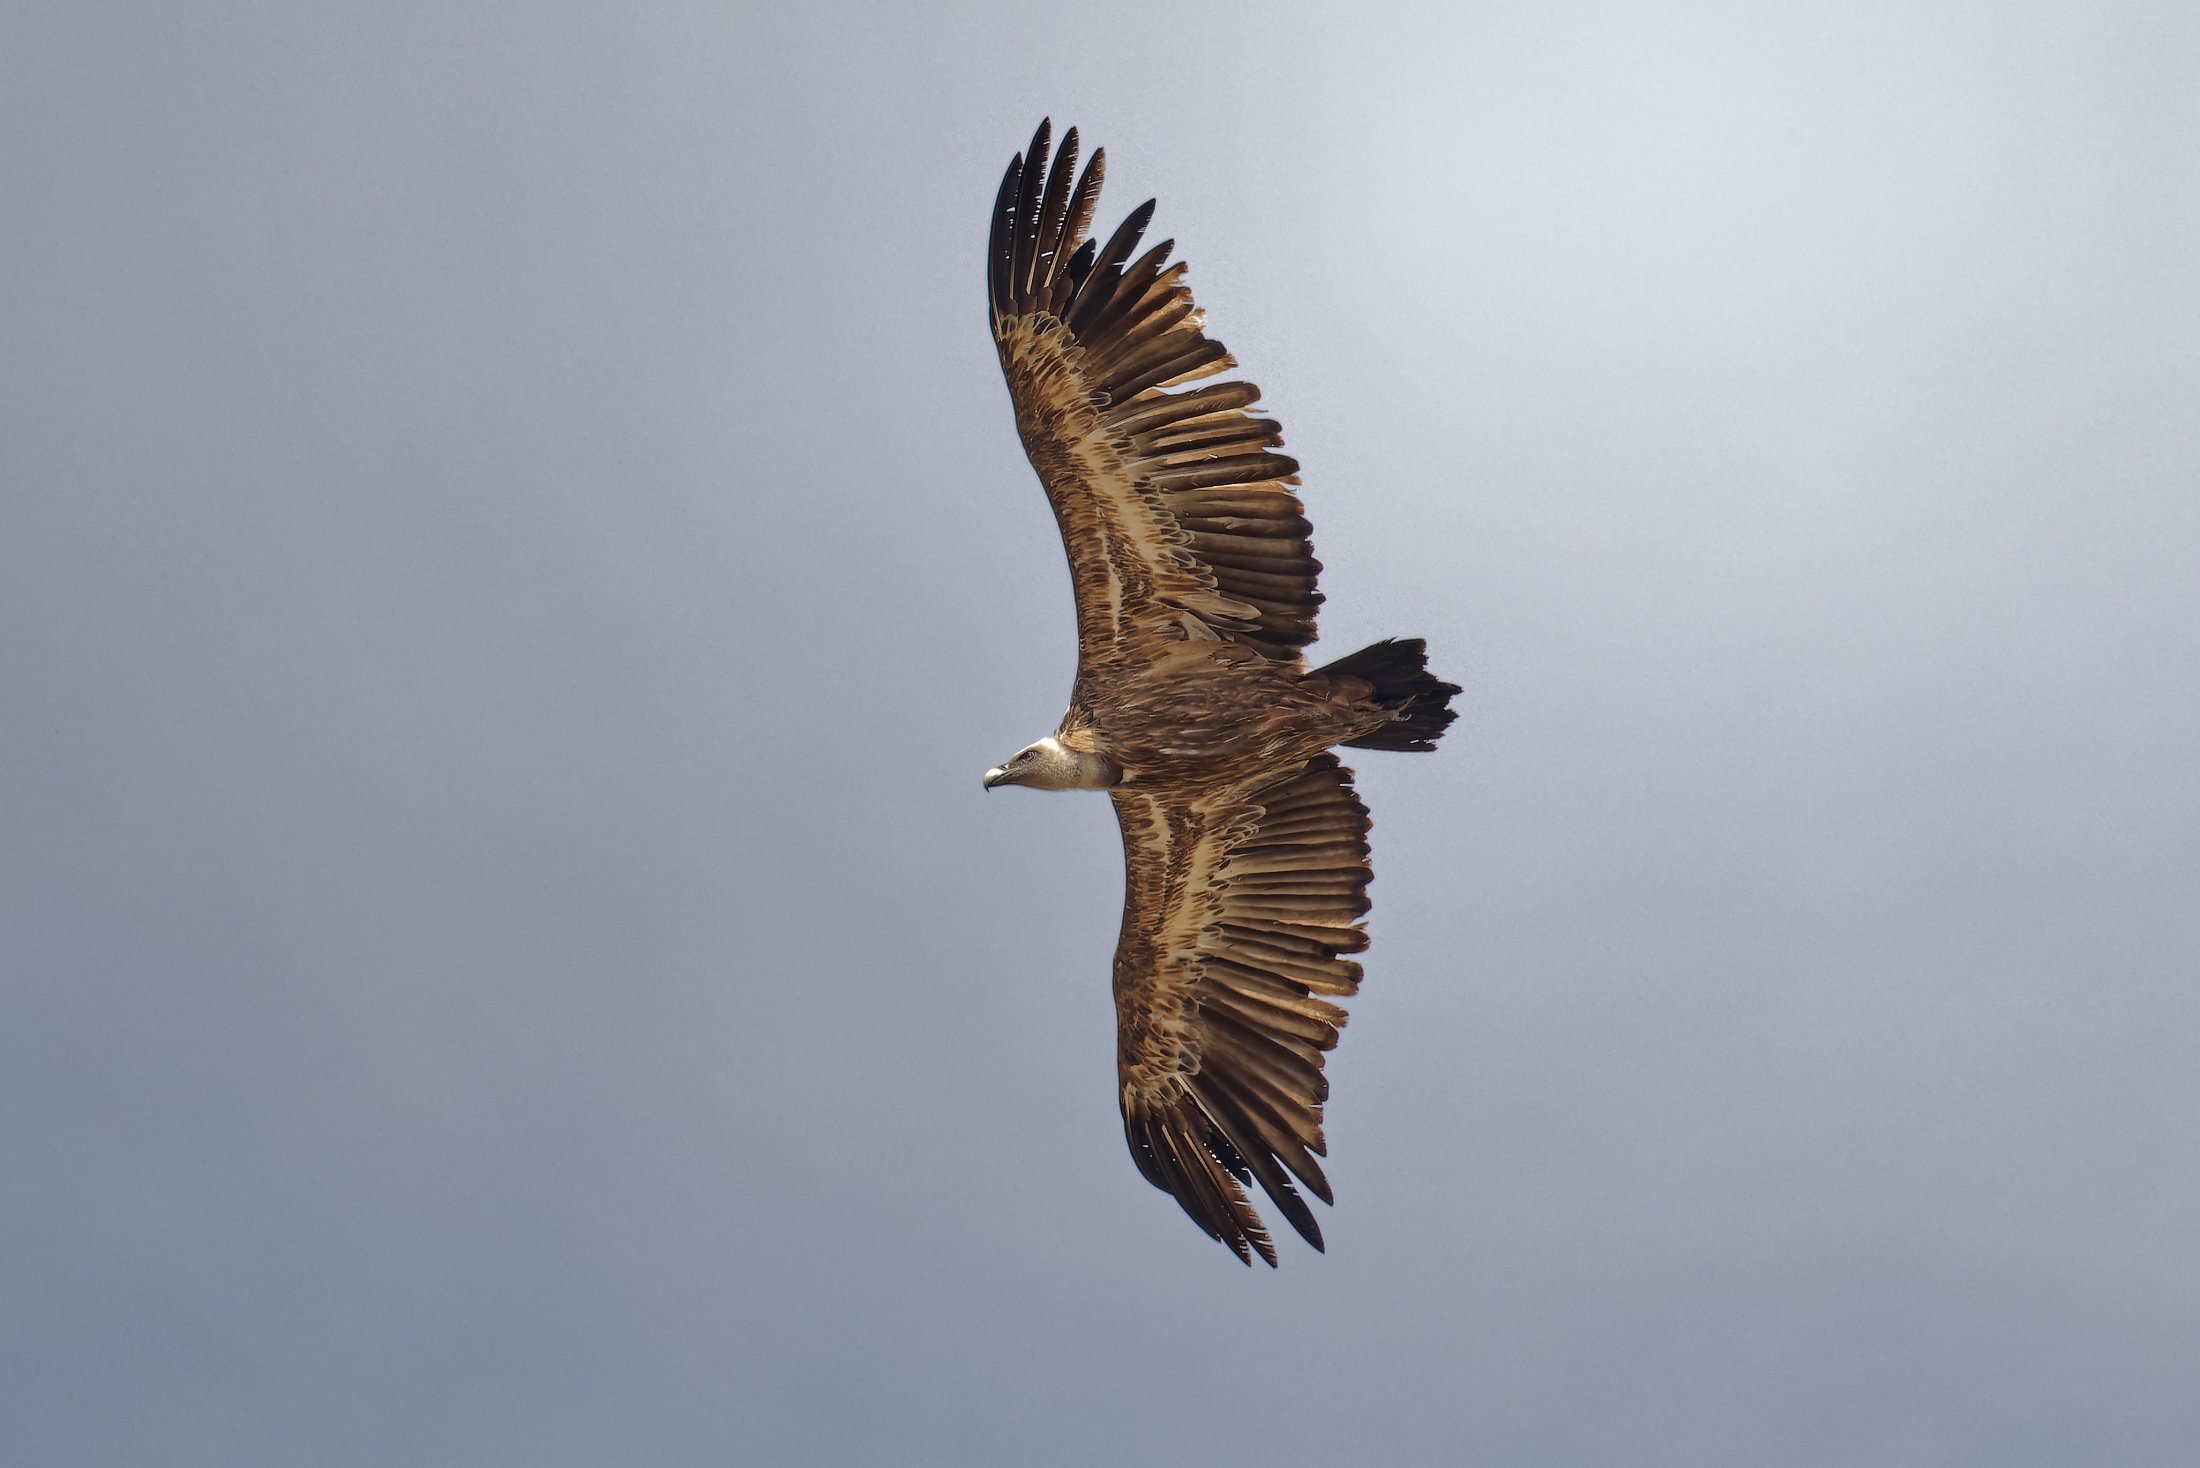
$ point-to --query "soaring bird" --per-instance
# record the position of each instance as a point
(1244, 844)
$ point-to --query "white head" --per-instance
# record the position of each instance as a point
(1052, 765)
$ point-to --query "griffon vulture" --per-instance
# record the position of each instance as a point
(1244, 843)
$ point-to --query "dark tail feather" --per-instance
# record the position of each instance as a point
(1397, 668)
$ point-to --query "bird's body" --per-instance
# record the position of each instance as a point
(1201, 713)
(1245, 845)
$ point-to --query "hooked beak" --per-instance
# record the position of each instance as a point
(995, 776)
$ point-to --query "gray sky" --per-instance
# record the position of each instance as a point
(513, 558)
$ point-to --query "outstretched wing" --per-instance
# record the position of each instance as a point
(1174, 510)
(1238, 908)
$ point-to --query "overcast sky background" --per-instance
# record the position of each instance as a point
(514, 557)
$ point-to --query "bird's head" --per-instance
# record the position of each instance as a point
(1052, 765)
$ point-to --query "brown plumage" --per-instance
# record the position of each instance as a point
(1244, 844)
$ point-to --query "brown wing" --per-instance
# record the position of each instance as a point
(1175, 513)
(1238, 907)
